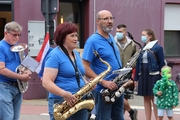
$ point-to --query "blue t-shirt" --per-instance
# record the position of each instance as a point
(66, 77)
(11, 60)
(105, 50)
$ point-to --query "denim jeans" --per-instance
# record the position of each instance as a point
(10, 102)
(107, 111)
(93, 111)
(80, 115)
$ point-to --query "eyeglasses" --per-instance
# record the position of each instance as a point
(107, 18)
(15, 34)
(119, 31)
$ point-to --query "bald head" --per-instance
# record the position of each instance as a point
(102, 13)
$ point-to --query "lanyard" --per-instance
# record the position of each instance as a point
(111, 44)
(74, 65)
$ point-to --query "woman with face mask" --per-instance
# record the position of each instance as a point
(148, 69)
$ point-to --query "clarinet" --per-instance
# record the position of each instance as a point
(121, 80)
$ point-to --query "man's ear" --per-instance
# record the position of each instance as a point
(5, 33)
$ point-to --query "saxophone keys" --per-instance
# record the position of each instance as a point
(107, 98)
(122, 89)
(117, 94)
(113, 99)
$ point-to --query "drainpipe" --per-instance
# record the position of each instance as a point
(47, 15)
(94, 15)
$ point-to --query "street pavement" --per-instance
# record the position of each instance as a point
(38, 110)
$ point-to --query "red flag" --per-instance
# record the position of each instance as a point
(43, 51)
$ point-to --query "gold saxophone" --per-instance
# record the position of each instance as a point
(64, 111)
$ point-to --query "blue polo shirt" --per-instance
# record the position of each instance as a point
(11, 60)
(105, 50)
(66, 78)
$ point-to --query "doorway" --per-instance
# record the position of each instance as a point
(72, 11)
(6, 15)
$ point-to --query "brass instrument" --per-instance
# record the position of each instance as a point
(23, 86)
(64, 111)
(111, 96)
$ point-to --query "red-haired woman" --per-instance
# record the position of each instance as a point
(64, 70)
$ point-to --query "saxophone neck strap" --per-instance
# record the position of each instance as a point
(73, 64)
(110, 41)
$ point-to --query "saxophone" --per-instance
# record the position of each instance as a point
(23, 86)
(121, 80)
(64, 111)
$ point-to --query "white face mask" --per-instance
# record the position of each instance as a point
(119, 36)
(144, 39)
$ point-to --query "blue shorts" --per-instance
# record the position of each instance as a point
(169, 112)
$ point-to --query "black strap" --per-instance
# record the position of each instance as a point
(152, 53)
(74, 65)
(114, 52)
(111, 44)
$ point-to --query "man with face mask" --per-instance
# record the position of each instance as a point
(103, 42)
(127, 49)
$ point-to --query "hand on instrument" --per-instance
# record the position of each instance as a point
(27, 72)
(109, 85)
(70, 99)
(24, 77)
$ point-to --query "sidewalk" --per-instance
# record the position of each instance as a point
(138, 102)
(38, 109)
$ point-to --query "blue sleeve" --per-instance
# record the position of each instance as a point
(88, 50)
(160, 57)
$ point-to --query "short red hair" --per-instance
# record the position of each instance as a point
(62, 31)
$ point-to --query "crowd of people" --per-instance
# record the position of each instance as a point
(65, 72)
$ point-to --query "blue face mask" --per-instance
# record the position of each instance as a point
(119, 36)
(144, 39)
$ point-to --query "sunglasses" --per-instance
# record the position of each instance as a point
(15, 34)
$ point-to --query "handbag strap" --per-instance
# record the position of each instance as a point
(152, 53)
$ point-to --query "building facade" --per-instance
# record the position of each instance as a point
(160, 15)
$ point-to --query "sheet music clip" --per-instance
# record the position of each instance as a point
(122, 71)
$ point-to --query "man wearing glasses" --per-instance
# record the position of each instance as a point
(103, 42)
(10, 96)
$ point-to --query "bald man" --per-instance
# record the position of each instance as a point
(103, 42)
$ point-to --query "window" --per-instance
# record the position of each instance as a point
(171, 43)
(172, 30)
(70, 12)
